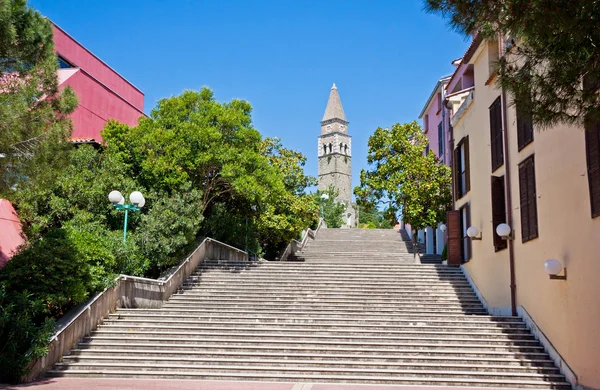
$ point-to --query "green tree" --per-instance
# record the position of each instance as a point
(333, 211)
(405, 179)
(34, 120)
(556, 46)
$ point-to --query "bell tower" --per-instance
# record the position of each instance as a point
(335, 154)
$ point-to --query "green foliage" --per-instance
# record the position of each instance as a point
(25, 331)
(556, 47)
(371, 218)
(332, 210)
(405, 179)
(33, 112)
(445, 252)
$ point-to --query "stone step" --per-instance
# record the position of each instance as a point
(300, 365)
(433, 350)
(366, 321)
(302, 306)
(347, 285)
(252, 277)
(398, 324)
(266, 335)
(273, 291)
(314, 371)
(391, 266)
(245, 300)
(357, 313)
(203, 291)
(413, 331)
(532, 360)
(276, 273)
(332, 343)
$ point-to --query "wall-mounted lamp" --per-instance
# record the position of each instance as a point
(553, 268)
(474, 233)
(443, 228)
(505, 232)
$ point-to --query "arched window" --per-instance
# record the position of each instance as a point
(330, 148)
(341, 147)
(345, 149)
(324, 149)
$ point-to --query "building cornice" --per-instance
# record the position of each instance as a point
(335, 133)
(333, 120)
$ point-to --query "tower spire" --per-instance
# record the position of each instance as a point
(334, 108)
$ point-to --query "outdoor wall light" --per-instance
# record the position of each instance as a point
(474, 233)
(137, 202)
(443, 228)
(553, 268)
(504, 231)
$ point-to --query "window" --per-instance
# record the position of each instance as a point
(461, 168)
(496, 134)
(427, 149)
(441, 141)
(524, 125)
(426, 124)
(498, 211)
(493, 56)
(465, 244)
(63, 64)
(439, 102)
(529, 225)
(592, 151)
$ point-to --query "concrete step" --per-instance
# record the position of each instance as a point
(255, 348)
(245, 300)
(364, 320)
(204, 291)
(289, 377)
(315, 371)
(302, 306)
(399, 324)
(315, 343)
(517, 361)
(267, 335)
(322, 330)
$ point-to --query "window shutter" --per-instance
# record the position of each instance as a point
(528, 200)
(592, 149)
(469, 247)
(496, 143)
(467, 165)
(524, 125)
(454, 238)
(456, 172)
(498, 211)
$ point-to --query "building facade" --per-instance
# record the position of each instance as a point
(435, 117)
(545, 185)
(335, 155)
(102, 93)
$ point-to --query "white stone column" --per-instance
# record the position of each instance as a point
(429, 249)
(421, 236)
(441, 242)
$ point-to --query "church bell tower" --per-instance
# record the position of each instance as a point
(335, 154)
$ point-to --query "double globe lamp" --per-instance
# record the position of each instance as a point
(137, 202)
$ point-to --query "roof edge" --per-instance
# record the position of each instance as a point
(439, 83)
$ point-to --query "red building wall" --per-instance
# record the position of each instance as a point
(103, 94)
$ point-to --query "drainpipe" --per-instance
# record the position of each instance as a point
(511, 247)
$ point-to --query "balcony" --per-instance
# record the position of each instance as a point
(460, 101)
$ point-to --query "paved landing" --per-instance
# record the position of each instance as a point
(144, 384)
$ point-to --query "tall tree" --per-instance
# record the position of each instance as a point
(34, 119)
(553, 64)
(412, 184)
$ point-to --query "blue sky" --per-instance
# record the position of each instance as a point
(281, 56)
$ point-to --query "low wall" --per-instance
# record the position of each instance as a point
(129, 292)
(296, 246)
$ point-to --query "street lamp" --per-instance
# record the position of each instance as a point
(473, 233)
(137, 202)
(504, 231)
(324, 197)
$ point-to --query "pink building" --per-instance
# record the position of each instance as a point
(103, 93)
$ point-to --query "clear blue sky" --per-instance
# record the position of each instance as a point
(282, 56)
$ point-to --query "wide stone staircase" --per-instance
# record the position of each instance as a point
(353, 307)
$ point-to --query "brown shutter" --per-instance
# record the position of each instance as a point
(528, 200)
(524, 126)
(496, 144)
(456, 172)
(498, 211)
(467, 166)
(592, 149)
(467, 210)
(454, 238)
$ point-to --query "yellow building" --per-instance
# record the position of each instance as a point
(545, 184)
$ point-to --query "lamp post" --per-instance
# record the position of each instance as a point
(324, 197)
(137, 202)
